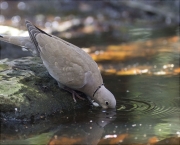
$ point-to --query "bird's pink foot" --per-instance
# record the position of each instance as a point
(74, 94)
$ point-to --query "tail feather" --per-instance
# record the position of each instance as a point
(29, 43)
(32, 32)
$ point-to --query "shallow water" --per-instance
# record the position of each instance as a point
(147, 106)
(147, 110)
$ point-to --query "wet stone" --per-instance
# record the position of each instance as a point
(27, 91)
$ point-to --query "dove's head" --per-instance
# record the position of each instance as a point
(105, 98)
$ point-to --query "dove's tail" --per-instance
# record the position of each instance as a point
(24, 42)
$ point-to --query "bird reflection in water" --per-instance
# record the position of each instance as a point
(88, 132)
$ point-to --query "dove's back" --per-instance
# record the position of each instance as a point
(67, 63)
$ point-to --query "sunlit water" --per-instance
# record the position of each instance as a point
(147, 107)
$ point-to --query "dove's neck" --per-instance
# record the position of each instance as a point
(92, 84)
(91, 89)
(99, 87)
(101, 91)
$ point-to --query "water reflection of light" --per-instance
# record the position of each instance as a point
(178, 133)
(168, 65)
(87, 50)
(21, 6)
(4, 5)
(76, 21)
(15, 20)
(39, 19)
(6, 30)
(144, 71)
(164, 66)
(47, 24)
(110, 136)
(89, 20)
(57, 18)
(97, 52)
(65, 25)
(55, 24)
(133, 125)
(160, 73)
(2, 19)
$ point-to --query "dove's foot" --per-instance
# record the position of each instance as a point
(74, 94)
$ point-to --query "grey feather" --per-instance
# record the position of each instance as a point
(68, 64)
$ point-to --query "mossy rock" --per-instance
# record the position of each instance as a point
(28, 92)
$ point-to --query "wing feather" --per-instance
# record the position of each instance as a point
(65, 62)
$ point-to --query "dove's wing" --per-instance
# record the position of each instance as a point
(62, 62)
(20, 41)
(67, 63)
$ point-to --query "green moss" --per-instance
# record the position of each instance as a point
(31, 90)
(3, 67)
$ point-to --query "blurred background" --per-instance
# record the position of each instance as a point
(106, 30)
(136, 45)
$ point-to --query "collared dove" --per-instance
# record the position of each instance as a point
(69, 65)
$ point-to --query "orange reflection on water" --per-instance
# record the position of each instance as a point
(119, 139)
(152, 57)
(153, 140)
(64, 140)
(114, 139)
(137, 49)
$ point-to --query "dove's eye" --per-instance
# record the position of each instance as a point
(106, 103)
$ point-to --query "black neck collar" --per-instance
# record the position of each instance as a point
(97, 89)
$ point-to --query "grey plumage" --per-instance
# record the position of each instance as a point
(68, 64)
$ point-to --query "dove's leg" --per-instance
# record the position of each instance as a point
(74, 94)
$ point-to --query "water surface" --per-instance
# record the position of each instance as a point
(147, 109)
(144, 77)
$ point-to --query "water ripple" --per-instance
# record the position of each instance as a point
(146, 107)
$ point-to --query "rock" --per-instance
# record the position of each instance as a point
(28, 92)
